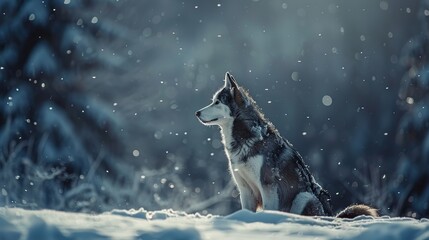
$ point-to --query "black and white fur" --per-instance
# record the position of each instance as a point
(269, 173)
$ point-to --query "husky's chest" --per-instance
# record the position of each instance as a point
(248, 172)
(245, 167)
(252, 164)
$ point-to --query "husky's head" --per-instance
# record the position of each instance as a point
(225, 104)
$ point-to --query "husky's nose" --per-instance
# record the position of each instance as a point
(197, 113)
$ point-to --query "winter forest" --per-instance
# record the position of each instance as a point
(98, 100)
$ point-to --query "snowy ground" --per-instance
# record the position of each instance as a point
(167, 224)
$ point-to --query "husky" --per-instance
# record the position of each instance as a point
(269, 173)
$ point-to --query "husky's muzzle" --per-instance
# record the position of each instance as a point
(198, 114)
(216, 113)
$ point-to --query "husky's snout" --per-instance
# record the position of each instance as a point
(214, 114)
(198, 114)
(204, 119)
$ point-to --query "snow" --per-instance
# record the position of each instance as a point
(16, 223)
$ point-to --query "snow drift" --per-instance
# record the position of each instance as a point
(16, 223)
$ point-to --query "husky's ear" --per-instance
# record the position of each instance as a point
(232, 85)
(230, 81)
(238, 96)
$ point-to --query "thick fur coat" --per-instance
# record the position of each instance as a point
(270, 174)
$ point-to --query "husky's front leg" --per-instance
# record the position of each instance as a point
(247, 196)
(248, 199)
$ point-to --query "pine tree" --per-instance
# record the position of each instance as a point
(410, 195)
(58, 144)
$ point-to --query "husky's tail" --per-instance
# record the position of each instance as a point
(357, 210)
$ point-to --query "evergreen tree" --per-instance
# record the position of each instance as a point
(410, 193)
(58, 144)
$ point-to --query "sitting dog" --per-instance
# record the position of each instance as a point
(270, 174)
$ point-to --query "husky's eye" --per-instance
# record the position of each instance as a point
(217, 102)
